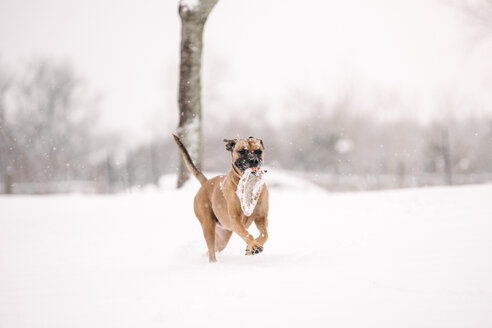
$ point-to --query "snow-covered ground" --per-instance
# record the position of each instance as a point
(406, 258)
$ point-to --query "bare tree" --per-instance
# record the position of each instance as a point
(50, 125)
(194, 14)
(4, 86)
(446, 154)
(6, 138)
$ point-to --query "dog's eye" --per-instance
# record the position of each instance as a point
(258, 151)
(243, 151)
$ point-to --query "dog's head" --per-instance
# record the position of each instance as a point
(245, 153)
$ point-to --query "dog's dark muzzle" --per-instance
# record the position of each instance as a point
(249, 162)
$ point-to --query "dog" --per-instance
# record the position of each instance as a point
(217, 206)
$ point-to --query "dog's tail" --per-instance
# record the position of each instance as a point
(189, 163)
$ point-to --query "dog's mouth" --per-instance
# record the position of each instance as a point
(241, 168)
(243, 165)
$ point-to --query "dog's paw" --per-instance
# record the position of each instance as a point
(255, 250)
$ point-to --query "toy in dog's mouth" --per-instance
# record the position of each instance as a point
(249, 189)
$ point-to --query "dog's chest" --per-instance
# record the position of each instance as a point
(249, 189)
(222, 198)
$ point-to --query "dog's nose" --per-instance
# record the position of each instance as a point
(253, 162)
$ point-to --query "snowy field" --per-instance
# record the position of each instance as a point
(406, 258)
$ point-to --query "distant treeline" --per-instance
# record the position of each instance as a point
(48, 144)
(343, 149)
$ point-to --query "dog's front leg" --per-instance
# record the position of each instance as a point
(262, 225)
(241, 231)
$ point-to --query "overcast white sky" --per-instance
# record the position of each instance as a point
(257, 52)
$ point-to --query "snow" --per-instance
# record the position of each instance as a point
(344, 145)
(189, 4)
(400, 258)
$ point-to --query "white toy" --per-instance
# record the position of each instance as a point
(249, 189)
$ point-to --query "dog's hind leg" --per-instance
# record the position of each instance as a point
(222, 237)
(208, 227)
(208, 221)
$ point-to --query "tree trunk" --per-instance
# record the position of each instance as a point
(8, 182)
(6, 144)
(193, 17)
(154, 164)
(446, 154)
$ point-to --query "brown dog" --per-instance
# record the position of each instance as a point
(217, 206)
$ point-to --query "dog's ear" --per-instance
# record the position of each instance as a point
(230, 143)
